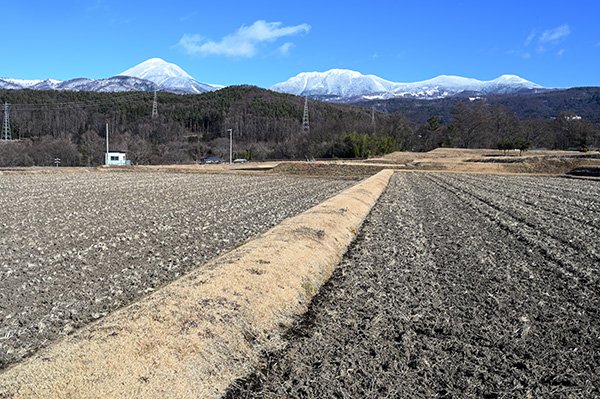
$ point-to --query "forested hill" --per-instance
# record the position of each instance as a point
(265, 124)
(582, 101)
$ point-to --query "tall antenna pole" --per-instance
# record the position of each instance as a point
(230, 145)
(373, 118)
(305, 123)
(373, 115)
(6, 125)
(154, 107)
(107, 150)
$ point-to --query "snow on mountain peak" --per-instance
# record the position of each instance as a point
(334, 82)
(515, 80)
(167, 76)
(150, 75)
(156, 70)
(346, 84)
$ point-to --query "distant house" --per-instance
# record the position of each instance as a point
(211, 160)
(116, 158)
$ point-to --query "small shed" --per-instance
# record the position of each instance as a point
(116, 158)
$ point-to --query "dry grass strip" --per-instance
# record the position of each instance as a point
(193, 337)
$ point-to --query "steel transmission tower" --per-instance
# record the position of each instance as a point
(6, 125)
(154, 107)
(305, 124)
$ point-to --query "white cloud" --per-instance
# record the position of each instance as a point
(530, 38)
(555, 35)
(541, 43)
(285, 48)
(243, 42)
(98, 5)
(523, 54)
(186, 17)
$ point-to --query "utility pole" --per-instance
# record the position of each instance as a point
(6, 135)
(230, 145)
(373, 118)
(107, 150)
(154, 107)
(373, 115)
(305, 123)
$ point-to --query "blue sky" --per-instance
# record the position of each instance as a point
(552, 43)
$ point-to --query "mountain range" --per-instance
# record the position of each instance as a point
(349, 86)
(338, 85)
(154, 74)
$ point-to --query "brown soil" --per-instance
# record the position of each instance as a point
(193, 337)
(333, 168)
(75, 247)
(458, 286)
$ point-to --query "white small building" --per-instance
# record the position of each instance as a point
(116, 158)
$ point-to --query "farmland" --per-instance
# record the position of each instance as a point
(456, 286)
(76, 246)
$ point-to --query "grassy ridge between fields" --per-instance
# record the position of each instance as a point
(195, 336)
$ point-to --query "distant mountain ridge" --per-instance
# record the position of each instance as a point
(338, 85)
(345, 85)
(150, 75)
(114, 84)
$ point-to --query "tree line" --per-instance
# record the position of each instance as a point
(265, 124)
(482, 125)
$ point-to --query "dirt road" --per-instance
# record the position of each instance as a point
(457, 286)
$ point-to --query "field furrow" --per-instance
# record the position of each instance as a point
(572, 260)
(77, 246)
(448, 293)
(587, 213)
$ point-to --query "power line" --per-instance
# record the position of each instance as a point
(95, 103)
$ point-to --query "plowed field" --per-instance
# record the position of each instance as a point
(456, 286)
(74, 247)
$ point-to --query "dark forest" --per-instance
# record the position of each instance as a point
(266, 125)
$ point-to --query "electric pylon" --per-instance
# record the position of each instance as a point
(154, 107)
(6, 125)
(305, 123)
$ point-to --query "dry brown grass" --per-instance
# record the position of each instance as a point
(440, 159)
(192, 338)
(490, 161)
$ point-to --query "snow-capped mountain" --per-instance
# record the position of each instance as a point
(167, 76)
(10, 84)
(153, 74)
(335, 82)
(24, 83)
(333, 85)
(114, 84)
(347, 85)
